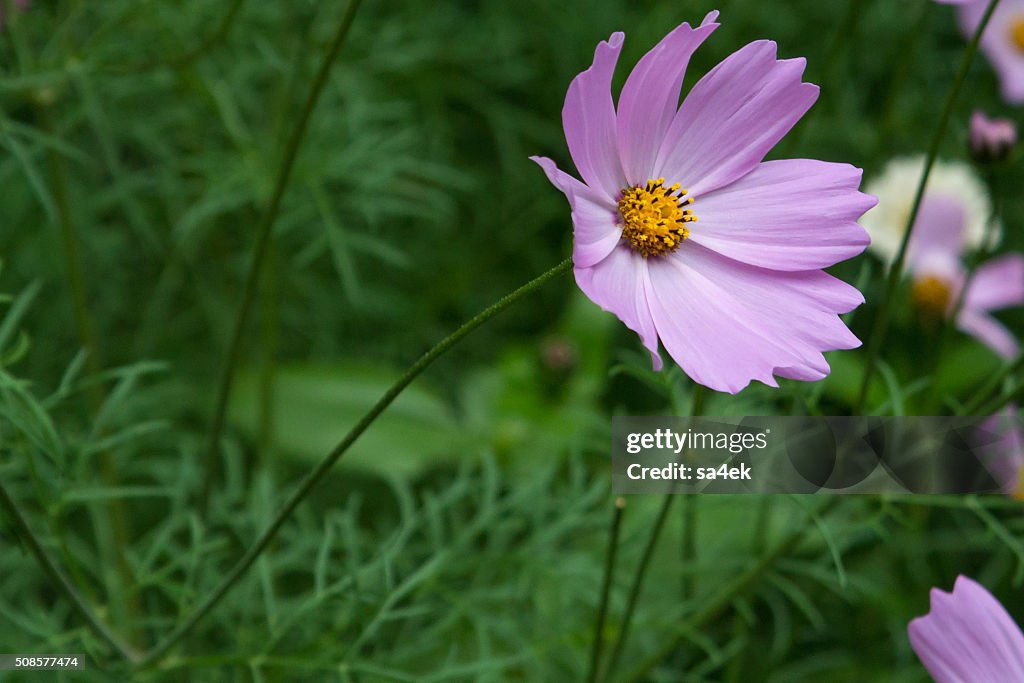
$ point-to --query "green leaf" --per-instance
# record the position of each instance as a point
(313, 407)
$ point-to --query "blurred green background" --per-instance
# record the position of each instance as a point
(463, 538)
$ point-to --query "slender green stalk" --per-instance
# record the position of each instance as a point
(881, 327)
(314, 477)
(269, 324)
(606, 589)
(111, 523)
(221, 32)
(60, 579)
(689, 545)
(985, 394)
(696, 409)
(763, 525)
(1000, 402)
(714, 606)
(263, 233)
(638, 582)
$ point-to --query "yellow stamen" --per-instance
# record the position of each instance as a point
(932, 295)
(1017, 33)
(654, 217)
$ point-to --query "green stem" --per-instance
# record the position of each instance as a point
(606, 589)
(696, 409)
(61, 580)
(111, 523)
(263, 234)
(724, 598)
(881, 327)
(328, 462)
(984, 395)
(221, 32)
(689, 546)
(1000, 402)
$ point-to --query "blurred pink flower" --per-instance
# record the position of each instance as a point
(1003, 41)
(1004, 456)
(934, 262)
(739, 295)
(968, 637)
(991, 139)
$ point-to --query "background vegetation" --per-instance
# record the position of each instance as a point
(464, 536)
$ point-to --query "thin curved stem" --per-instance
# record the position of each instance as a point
(985, 394)
(638, 582)
(61, 580)
(881, 327)
(328, 462)
(259, 253)
(222, 30)
(606, 589)
(696, 409)
(734, 588)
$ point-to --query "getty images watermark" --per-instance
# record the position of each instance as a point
(812, 455)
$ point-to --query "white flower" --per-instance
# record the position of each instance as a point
(951, 182)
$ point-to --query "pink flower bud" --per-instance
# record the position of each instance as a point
(991, 139)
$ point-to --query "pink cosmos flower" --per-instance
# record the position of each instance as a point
(1003, 41)
(968, 637)
(934, 262)
(738, 295)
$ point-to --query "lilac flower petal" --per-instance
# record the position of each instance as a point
(588, 118)
(968, 637)
(997, 43)
(617, 284)
(938, 232)
(998, 283)
(1004, 455)
(732, 117)
(989, 332)
(650, 98)
(796, 214)
(727, 323)
(594, 216)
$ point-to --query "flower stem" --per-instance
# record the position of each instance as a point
(190, 55)
(696, 409)
(725, 596)
(314, 477)
(110, 521)
(61, 580)
(606, 586)
(259, 253)
(881, 327)
(984, 395)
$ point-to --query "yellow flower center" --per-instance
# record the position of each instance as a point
(654, 217)
(1017, 33)
(932, 295)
